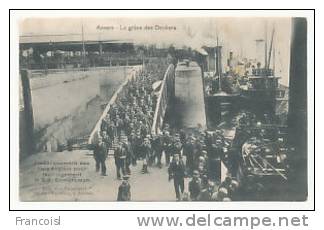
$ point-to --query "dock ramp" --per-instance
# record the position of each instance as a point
(189, 105)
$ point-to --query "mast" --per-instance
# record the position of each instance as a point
(265, 45)
(269, 59)
(216, 56)
(83, 50)
(274, 61)
(218, 66)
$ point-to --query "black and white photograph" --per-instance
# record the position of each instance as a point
(174, 108)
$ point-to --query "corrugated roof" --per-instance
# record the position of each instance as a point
(66, 38)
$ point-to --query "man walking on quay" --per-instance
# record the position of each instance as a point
(124, 193)
(195, 186)
(177, 173)
(100, 153)
(120, 160)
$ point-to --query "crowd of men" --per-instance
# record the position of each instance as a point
(197, 155)
(127, 125)
(193, 154)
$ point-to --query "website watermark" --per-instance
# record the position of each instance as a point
(209, 220)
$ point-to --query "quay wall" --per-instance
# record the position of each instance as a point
(68, 104)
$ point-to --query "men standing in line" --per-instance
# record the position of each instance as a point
(100, 154)
(177, 173)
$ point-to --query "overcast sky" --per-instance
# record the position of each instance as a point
(237, 34)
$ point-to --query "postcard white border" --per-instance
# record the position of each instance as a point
(15, 204)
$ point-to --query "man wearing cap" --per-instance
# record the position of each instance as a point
(177, 147)
(195, 186)
(110, 129)
(198, 150)
(226, 183)
(129, 156)
(106, 139)
(138, 142)
(124, 192)
(183, 136)
(233, 190)
(167, 146)
(177, 172)
(100, 154)
(222, 193)
(146, 152)
(157, 148)
(119, 125)
(131, 141)
(104, 123)
(127, 125)
(207, 194)
(216, 155)
(173, 148)
(188, 151)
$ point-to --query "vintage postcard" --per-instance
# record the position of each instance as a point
(140, 108)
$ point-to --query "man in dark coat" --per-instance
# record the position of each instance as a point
(167, 147)
(104, 124)
(157, 146)
(183, 136)
(146, 152)
(129, 156)
(119, 126)
(188, 151)
(214, 169)
(124, 192)
(177, 173)
(100, 154)
(111, 129)
(120, 158)
(138, 147)
(106, 139)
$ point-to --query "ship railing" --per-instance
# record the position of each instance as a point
(262, 72)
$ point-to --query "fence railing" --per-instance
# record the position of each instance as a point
(165, 95)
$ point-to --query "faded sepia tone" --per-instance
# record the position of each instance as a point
(162, 109)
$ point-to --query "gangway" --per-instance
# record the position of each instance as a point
(189, 105)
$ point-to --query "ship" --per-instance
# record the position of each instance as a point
(244, 100)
